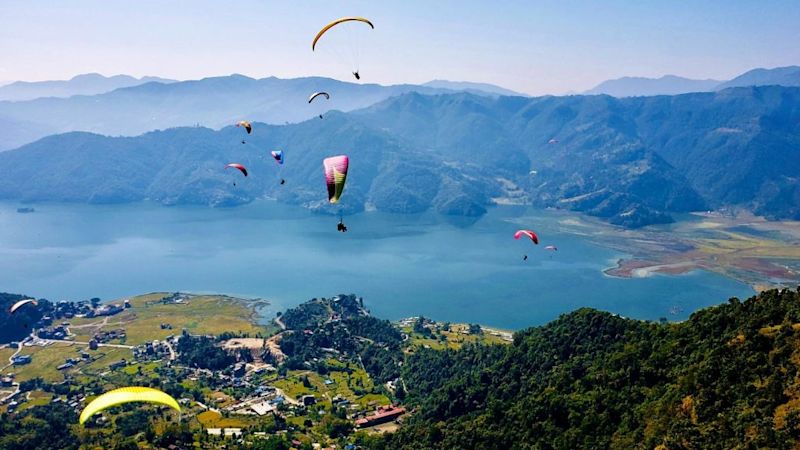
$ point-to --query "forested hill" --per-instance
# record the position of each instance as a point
(726, 378)
(631, 161)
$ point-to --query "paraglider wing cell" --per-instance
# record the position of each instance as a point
(20, 304)
(527, 233)
(237, 166)
(335, 175)
(337, 22)
(127, 395)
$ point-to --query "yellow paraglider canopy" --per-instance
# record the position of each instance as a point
(127, 395)
(337, 22)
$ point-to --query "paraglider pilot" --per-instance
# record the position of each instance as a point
(341, 227)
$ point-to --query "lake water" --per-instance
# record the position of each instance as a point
(403, 265)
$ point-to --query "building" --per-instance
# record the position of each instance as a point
(118, 364)
(21, 360)
(6, 381)
(382, 415)
(262, 408)
(105, 336)
(227, 432)
(308, 400)
(239, 370)
(107, 310)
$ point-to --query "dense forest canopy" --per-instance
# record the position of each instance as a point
(725, 378)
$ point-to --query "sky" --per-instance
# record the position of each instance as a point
(531, 46)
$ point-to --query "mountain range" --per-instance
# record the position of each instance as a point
(673, 85)
(85, 84)
(631, 161)
(128, 106)
(212, 102)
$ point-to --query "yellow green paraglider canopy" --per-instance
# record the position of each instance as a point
(127, 395)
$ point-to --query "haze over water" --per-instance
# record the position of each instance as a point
(452, 269)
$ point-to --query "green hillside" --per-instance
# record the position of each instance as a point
(726, 378)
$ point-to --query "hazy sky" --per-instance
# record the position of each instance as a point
(537, 47)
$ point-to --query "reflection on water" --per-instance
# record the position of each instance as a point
(449, 268)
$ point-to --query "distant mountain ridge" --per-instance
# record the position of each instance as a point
(218, 101)
(85, 84)
(781, 76)
(213, 102)
(630, 161)
(472, 88)
(640, 86)
(675, 85)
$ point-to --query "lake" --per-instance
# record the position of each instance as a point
(452, 269)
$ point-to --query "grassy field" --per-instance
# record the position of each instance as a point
(44, 362)
(105, 356)
(203, 314)
(211, 419)
(344, 385)
(6, 353)
(207, 314)
(456, 337)
(36, 398)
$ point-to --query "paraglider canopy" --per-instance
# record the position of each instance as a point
(277, 155)
(237, 166)
(552, 141)
(127, 395)
(20, 304)
(552, 248)
(337, 22)
(335, 169)
(527, 233)
(246, 125)
(317, 94)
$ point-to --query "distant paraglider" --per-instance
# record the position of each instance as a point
(127, 395)
(22, 303)
(335, 168)
(239, 167)
(527, 233)
(551, 248)
(552, 141)
(335, 175)
(277, 155)
(317, 94)
(530, 235)
(246, 125)
(351, 46)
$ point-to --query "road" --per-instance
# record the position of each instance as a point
(288, 399)
(204, 406)
(171, 351)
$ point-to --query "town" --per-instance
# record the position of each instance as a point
(322, 373)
